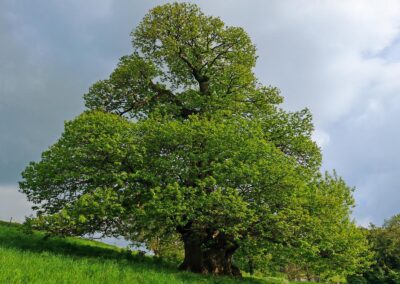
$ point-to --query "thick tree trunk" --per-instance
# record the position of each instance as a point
(209, 255)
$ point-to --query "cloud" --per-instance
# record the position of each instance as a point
(13, 204)
(321, 138)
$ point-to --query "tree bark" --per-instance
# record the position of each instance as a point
(209, 255)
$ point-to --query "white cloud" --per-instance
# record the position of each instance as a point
(321, 137)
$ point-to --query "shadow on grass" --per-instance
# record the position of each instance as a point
(13, 236)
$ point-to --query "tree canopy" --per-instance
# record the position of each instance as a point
(182, 139)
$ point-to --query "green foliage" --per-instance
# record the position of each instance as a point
(385, 242)
(190, 45)
(323, 245)
(182, 139)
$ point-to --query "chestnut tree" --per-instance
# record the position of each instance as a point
(183, 139)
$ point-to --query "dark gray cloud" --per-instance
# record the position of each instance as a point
(340, 59)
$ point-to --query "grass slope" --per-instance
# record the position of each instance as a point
(29, 258)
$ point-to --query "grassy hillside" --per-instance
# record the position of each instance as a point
(33, 259)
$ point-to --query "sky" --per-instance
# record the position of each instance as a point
(341, 59)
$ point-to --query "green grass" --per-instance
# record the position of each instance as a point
(30, 258)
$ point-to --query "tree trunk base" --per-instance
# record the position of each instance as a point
(215, 259)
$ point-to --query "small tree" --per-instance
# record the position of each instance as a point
(182, 139)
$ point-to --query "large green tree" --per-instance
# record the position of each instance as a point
(183, 139)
